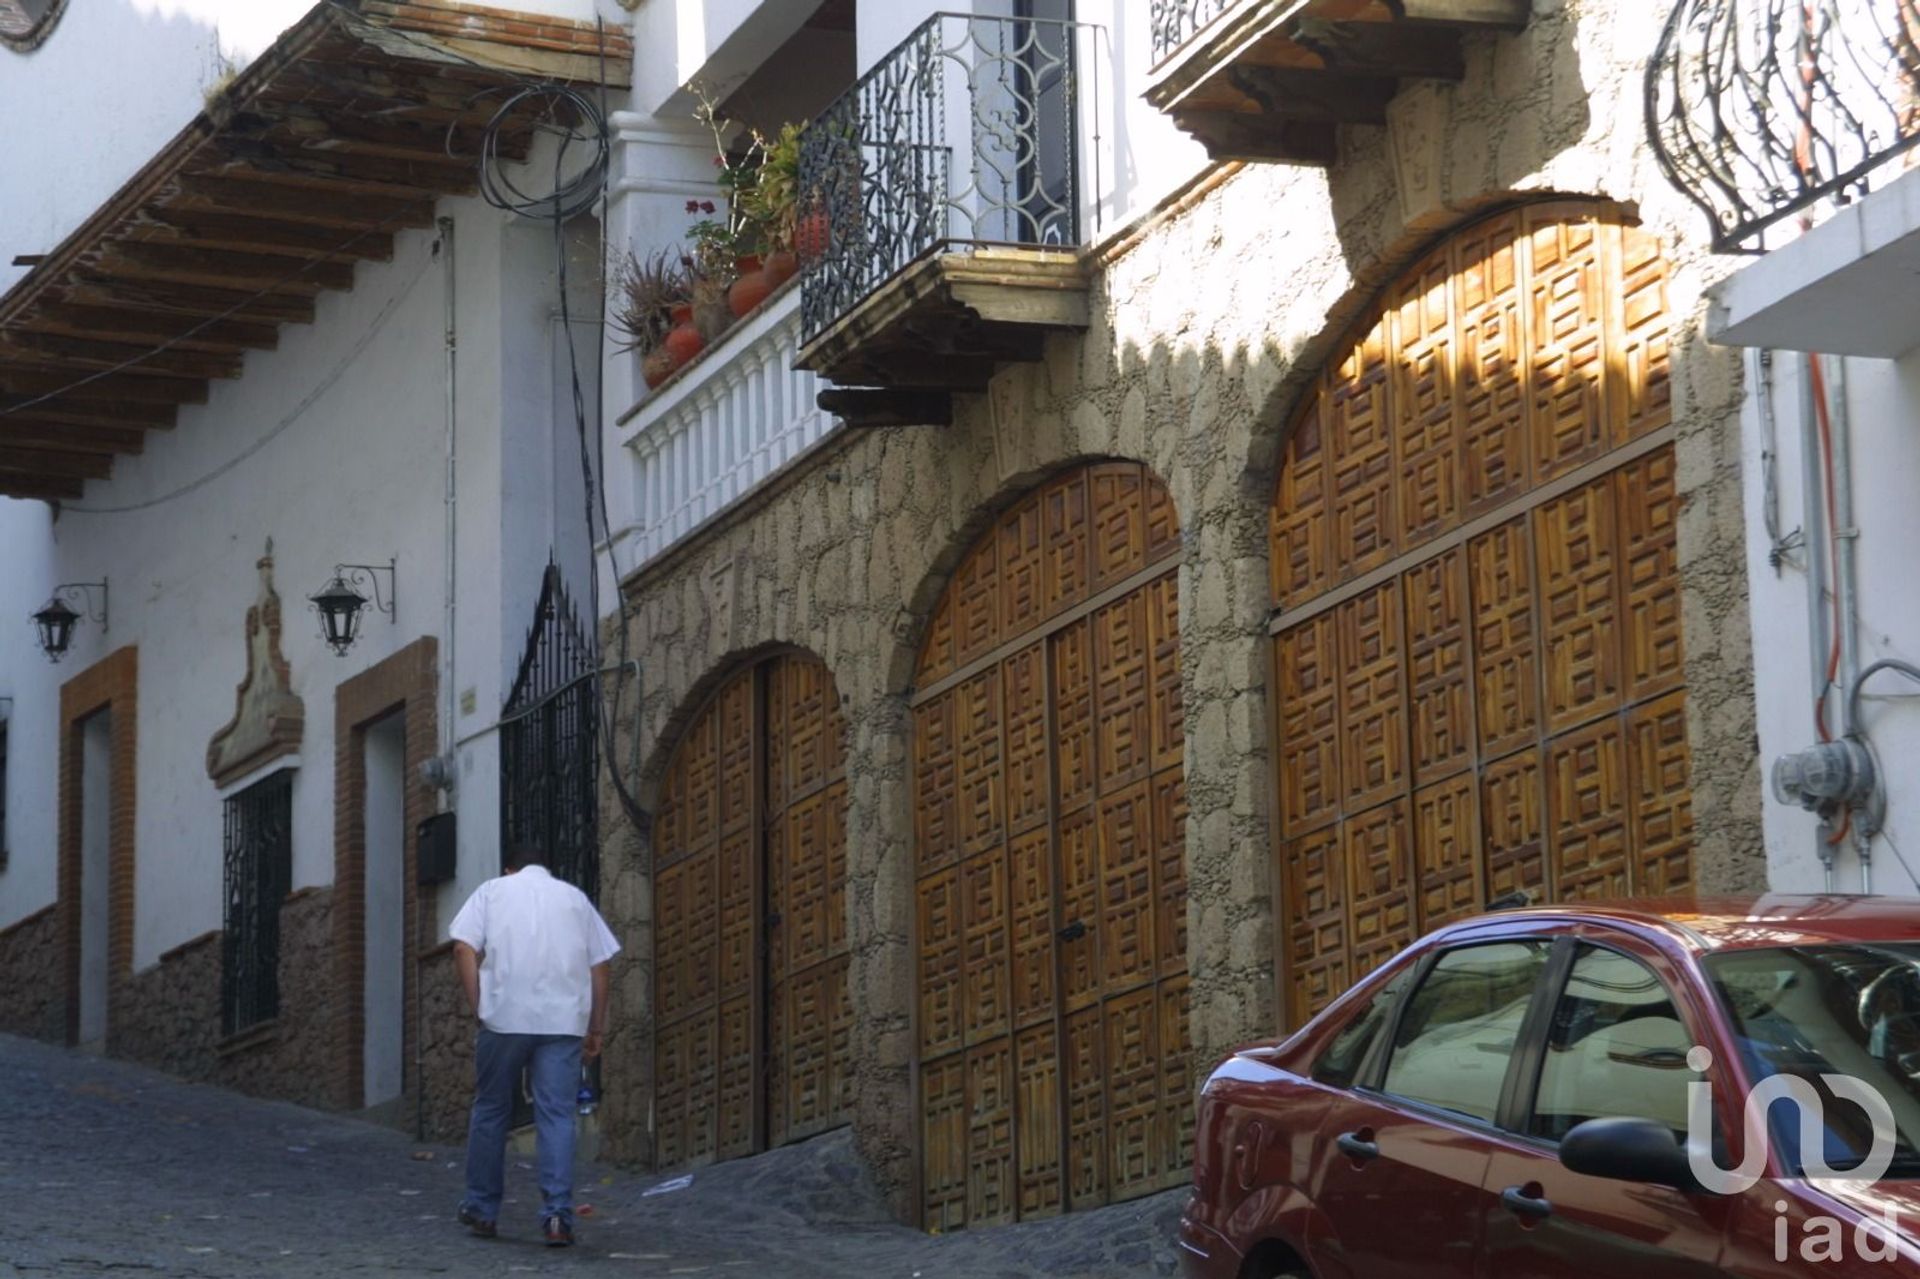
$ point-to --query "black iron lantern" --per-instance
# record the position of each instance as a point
(340, 605)
(57, 619)
(56, 628)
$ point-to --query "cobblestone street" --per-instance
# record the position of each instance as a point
(107, 1168)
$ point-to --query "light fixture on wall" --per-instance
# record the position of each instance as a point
(340, 605)
(58, 618)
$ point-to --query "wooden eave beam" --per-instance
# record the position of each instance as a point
(1315, 97)
(84, 356)
(68, 411)
(227, 232)
(26, 432)
(149, 328)
(50, 462)
(145, 260)
(867, 407)
(108, 390)
(1242, 135)
(32, 487)
(301, 203)
(183, 299)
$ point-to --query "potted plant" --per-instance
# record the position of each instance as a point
(773, 202)
(649, 294)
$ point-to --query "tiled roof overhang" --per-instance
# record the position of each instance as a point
(346, 130)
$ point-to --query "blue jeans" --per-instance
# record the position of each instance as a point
(497, 1063)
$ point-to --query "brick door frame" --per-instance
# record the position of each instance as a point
(406, 683)
(111, 684)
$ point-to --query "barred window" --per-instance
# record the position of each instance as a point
(259, 876)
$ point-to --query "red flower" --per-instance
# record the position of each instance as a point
(706, 206)
(693, 206)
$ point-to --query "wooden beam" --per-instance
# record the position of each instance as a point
(82, 466)
(357, 176)
(1316, 97)
(1504, 15)
(1389, 49)
(1239, 135)
(865, 407)
(25, 432)
(16, 484)
(367, 215)
(453, 144)
(183, 299)
(150, 328)
(146, 260)
(243, 234)
(69, 412)
(111, 388)
(84, 355)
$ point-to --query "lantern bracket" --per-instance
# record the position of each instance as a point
(369, 575)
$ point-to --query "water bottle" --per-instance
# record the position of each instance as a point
(585, 1098)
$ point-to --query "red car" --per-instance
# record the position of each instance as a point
(1509, 1099)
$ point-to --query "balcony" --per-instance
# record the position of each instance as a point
(941, 208)
(1761, 110)
(724, 424)
(1271, 80)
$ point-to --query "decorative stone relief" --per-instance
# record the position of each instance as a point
(268, 719)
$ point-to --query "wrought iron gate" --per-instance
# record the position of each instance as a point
(549, 753)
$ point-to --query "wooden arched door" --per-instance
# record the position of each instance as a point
(753, 1027)
(1050, 881)
(1477, 637)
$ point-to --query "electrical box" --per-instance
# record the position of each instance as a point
(435, 856)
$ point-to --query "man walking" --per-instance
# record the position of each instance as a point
(533, 955)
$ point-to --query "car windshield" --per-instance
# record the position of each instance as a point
(1810, 1011)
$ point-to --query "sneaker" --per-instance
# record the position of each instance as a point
(559, 1232)
(477, 1224)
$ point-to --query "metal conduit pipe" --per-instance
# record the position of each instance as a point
(1846, 537)
(1813, 523)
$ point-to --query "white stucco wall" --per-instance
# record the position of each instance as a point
(1883, 412)
(334, 446)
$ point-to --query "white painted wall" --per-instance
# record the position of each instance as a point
(332, 445)
(1836, 289)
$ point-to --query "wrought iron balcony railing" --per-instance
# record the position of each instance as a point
(964, 135)
(1760, 109)
(1174, 22)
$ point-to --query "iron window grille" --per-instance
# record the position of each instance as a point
(1174, 22)
(259, 875)
(549, 748)
(1760, 109)
(966, 134)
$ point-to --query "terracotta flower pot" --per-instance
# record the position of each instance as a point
(658, 366)
(684, 341)
(748, 292)
(780, 267)
(682, 313)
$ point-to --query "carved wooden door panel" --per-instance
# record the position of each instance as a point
(1477, 651)
(1050, 918)
(752, 1023)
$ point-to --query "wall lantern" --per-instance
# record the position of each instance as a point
(340, 605)
(56, 621)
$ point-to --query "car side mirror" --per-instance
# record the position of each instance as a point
(1637, 1150)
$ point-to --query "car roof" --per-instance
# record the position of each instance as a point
(1741, 923)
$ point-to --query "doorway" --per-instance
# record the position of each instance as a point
(385, 886)
(96, 808)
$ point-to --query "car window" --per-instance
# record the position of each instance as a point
(1460, 1027)
(1340, 1063)
(1616, 1048)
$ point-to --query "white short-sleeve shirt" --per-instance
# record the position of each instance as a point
(539, 939)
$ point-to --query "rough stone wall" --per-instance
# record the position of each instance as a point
(447, 1049)
(170, 1013)
(1207, 325)
(33, 997)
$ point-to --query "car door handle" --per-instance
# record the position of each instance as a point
(1353, 1145)
(1522, 1204)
